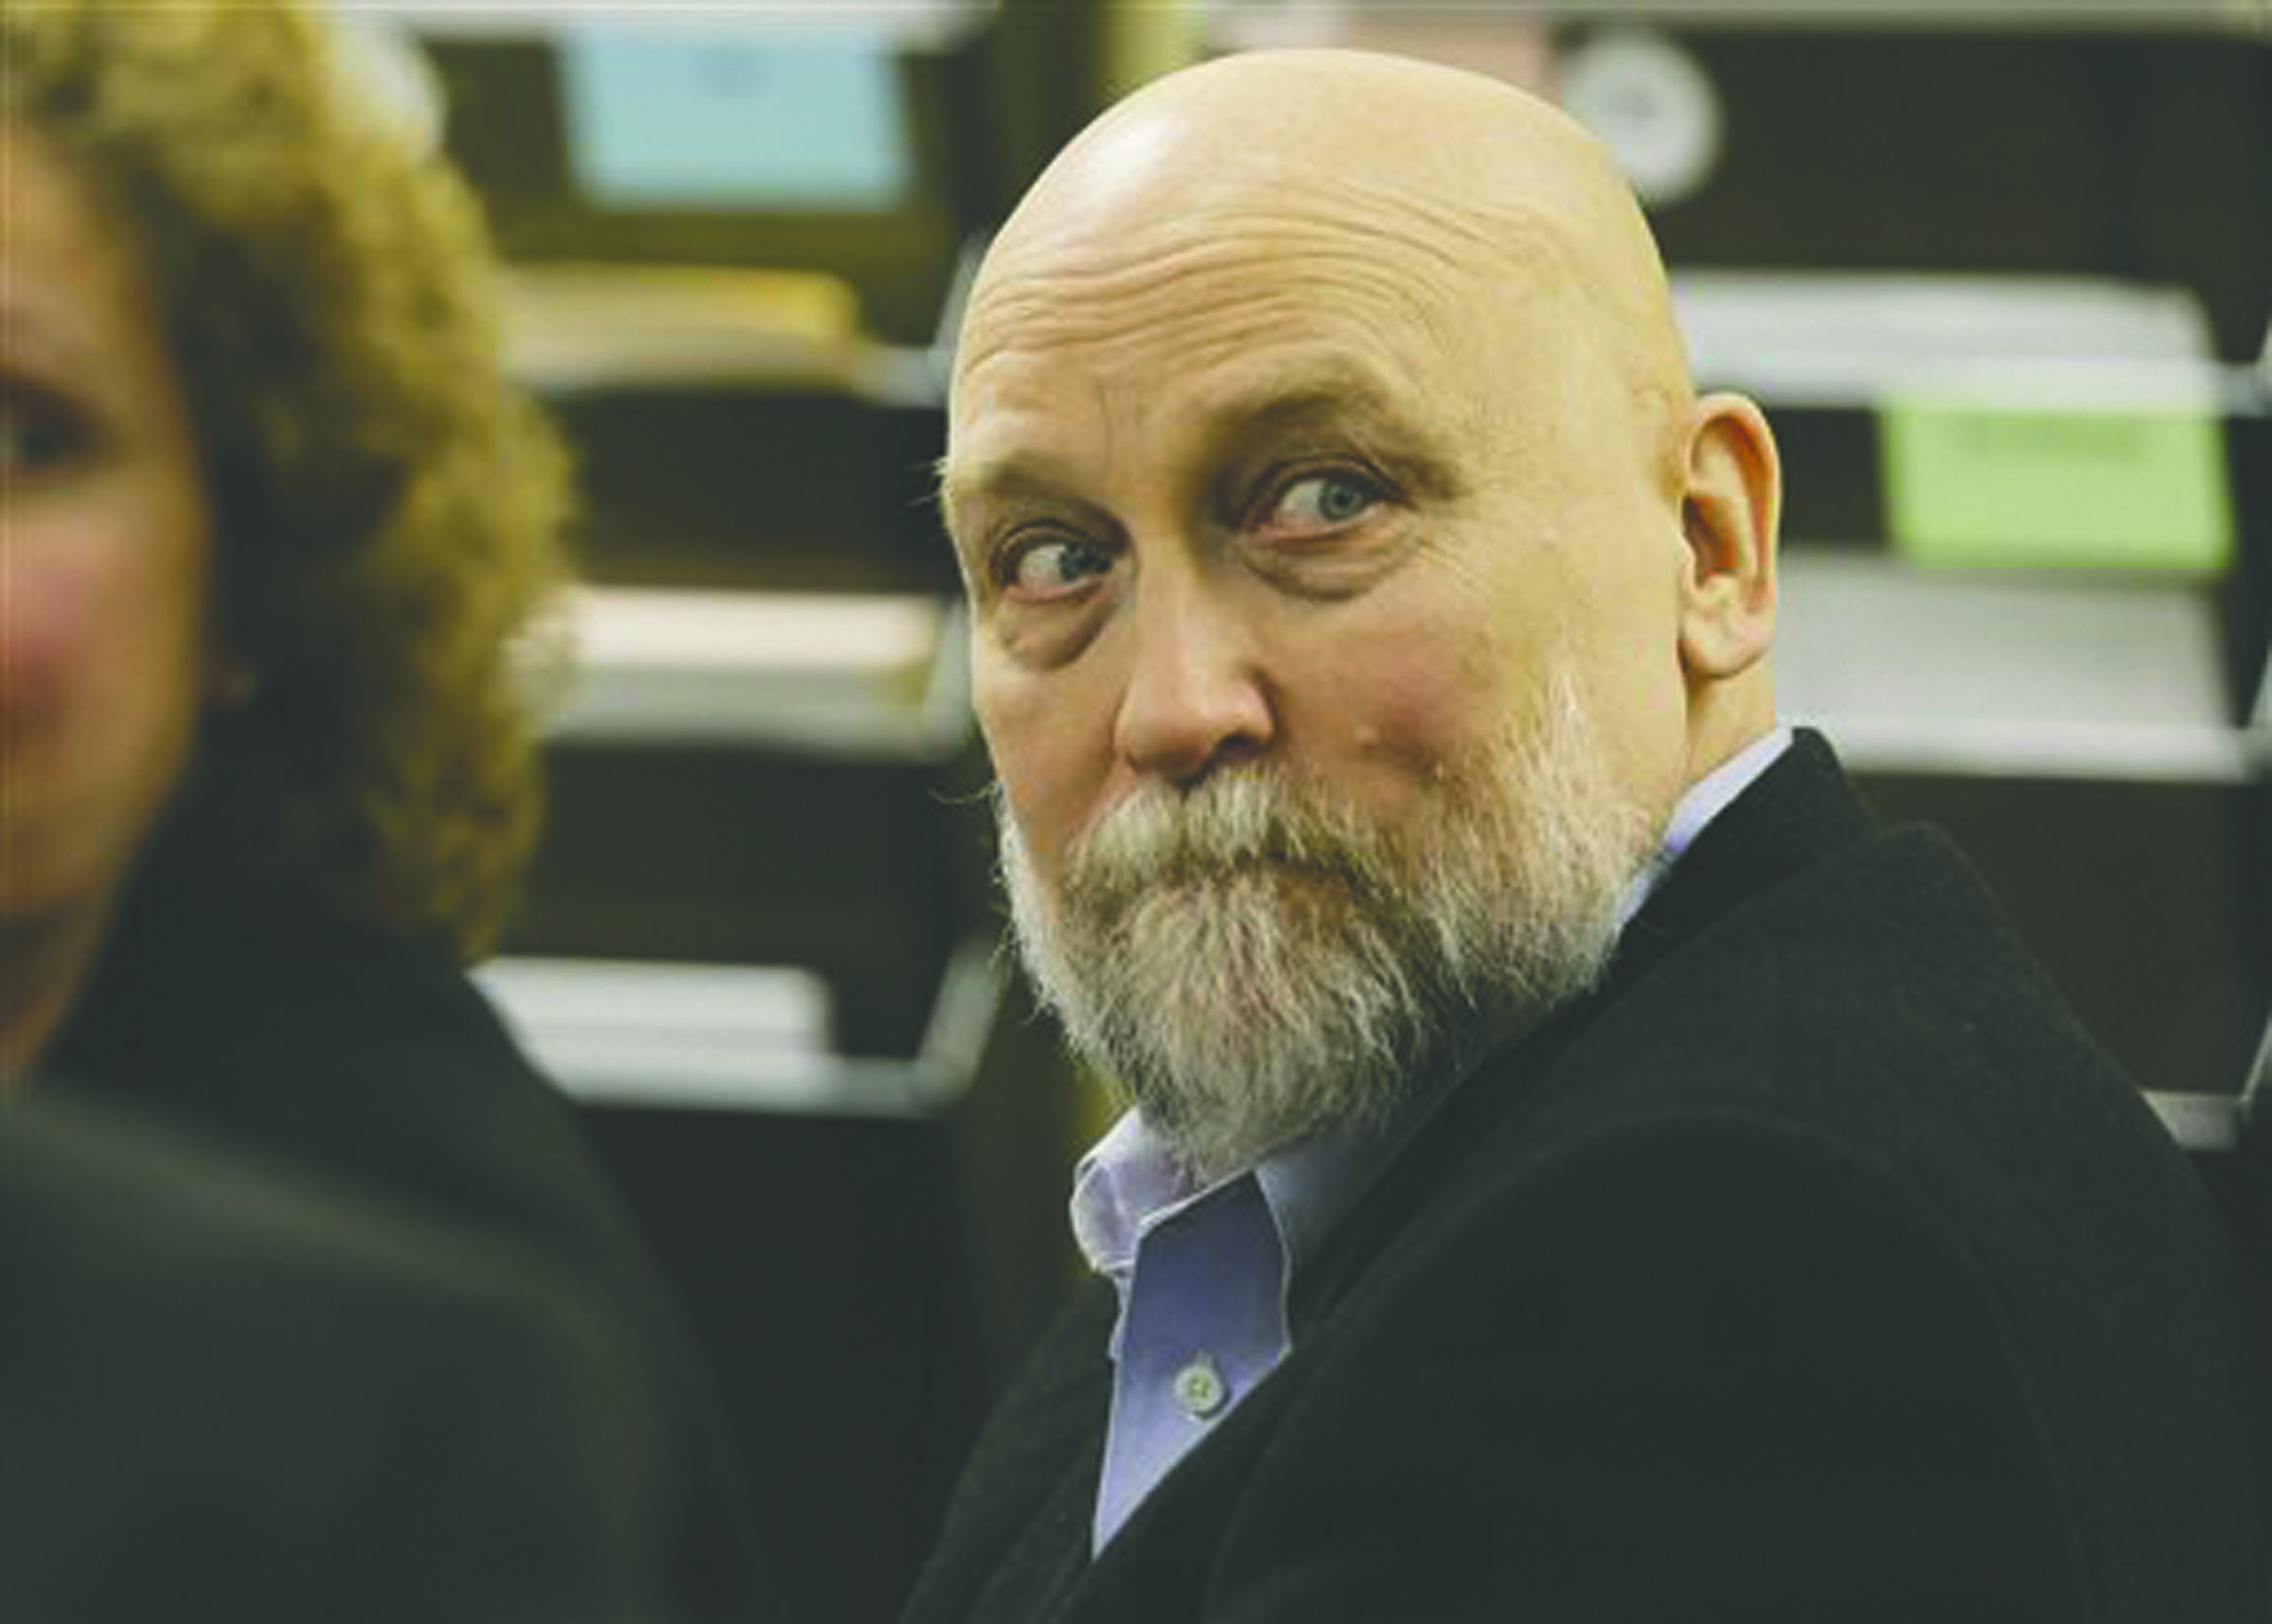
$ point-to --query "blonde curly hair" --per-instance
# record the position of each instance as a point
(388, 508)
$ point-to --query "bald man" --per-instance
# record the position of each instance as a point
(1576, 1165)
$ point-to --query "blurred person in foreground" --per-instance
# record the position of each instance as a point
(1579, 1167)
(236, 1393)
(278, 537)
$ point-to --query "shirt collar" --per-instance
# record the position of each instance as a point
(1128, 1180)
(1706, 798)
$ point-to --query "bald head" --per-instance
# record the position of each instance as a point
(1483, 192)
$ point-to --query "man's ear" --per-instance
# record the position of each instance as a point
(1730, 509)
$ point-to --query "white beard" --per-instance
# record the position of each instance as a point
(1252, 962)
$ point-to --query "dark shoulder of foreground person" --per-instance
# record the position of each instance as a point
(232, 1393)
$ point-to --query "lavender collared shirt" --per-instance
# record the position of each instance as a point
(1206, 1276)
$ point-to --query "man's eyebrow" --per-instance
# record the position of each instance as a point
(1337, 392)
(1013, 473)
(1348, 398)
(1346, 401)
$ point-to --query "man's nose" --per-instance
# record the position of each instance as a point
(1198, 695)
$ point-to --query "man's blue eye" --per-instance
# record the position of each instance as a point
(1323, 500)
(1050, 568)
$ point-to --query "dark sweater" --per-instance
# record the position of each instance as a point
(1816, 1267)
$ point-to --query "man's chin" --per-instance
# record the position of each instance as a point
(1231, 1119)
(1226, 1065)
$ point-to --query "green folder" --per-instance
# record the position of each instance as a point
(1973, 484)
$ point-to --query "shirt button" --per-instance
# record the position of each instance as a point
(1200, 1388)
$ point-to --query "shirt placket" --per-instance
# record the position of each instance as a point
(1204, 1325)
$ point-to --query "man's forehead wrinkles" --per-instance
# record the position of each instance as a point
(1387, 260)
(1177, 325)
(1209, 327)
(1353, 225)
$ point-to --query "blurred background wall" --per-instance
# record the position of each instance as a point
(2001, 272)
